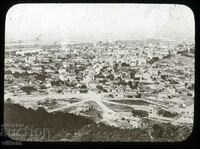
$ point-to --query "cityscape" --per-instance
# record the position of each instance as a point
(123, 84)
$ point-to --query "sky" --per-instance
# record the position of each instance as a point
(94, 22)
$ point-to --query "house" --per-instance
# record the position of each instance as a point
(138, 74)
(164, 51)
(48, 84)
(149, 53)
(141, 61)
(153, 71)
(171, 90)
(91, 85)
(133, 62)
(163, 95)
(135, 122)
(49, 71)
(158, 56)
(83, 108)
(15, 69)
(62, 71)
(36, 69)
(71, 76)
(30, 59)
(146, 76)
(153, 111)
(187, 117)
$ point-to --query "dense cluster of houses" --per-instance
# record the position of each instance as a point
(153, 70)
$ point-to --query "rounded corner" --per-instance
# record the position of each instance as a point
(187, 8)
(9, 136)
(189, 135)
(12, 7)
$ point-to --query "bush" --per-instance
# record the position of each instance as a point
(139, 113)
(167, 113)
(78, 128)
(28, 89)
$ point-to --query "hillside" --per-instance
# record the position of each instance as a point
(69, 127)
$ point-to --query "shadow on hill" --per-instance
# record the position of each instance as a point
(69, 127)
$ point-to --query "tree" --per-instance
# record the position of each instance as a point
(28, 89)
(138, 95)
(115, 67)
(164, 77)
(122, 82)
(8, 72)
(167, 113)
(83, 86)
(43, 87)
(9, 100)
(132, 73)
(125, 65)
(110, 76)
(157, 131)
(139, 113)
(135, 86)
(101, 88)
(130, 83)
(41, 77)
(59, 91)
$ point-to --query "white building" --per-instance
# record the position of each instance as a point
(30, 59)
(141, 61)
(146, 76)
(135, 122)
(62, 71)
(153, 111)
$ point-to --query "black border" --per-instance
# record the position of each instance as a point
(191, 142)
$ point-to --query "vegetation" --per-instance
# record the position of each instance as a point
(139, 113)
(28, 89)
(165, 113)
(168, 132)
(56, 122)
(101, 88)
(70, 127)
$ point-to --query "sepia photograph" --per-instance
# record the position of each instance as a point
(99, 72)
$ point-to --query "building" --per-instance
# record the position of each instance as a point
(153, 111)
(83, 108)
(141, 61)
(135, 122)
(185, 118)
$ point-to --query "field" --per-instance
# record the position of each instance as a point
(132, 102)
(119, 108)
